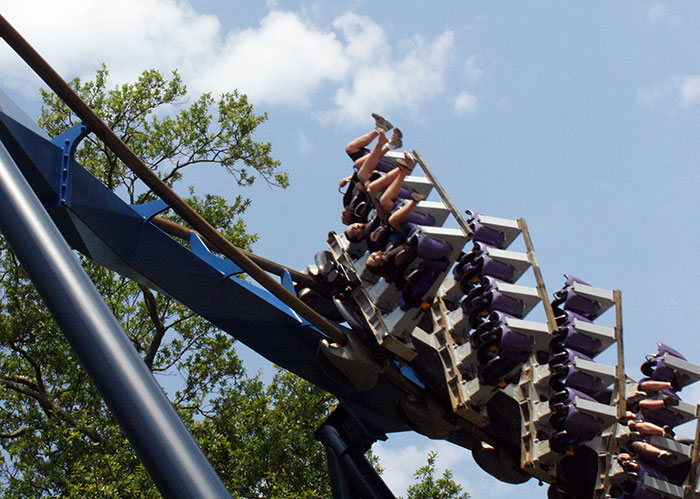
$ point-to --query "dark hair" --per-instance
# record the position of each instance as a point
(347, 212)
(379, 268)
(357, 238)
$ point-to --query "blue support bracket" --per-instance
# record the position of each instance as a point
(408, 372)
(68, 141)
(287, 282)
(226, 267)
(150, 209)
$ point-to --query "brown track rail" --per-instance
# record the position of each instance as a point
(136, 165)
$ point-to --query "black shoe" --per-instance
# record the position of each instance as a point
(670, 401)
(676, 382)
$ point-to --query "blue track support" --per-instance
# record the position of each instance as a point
(161, 440)
(346, 440)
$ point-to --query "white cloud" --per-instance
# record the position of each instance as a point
(660, 13)
(400, 463)
(283, 61)
(465, 103)
(683, 90)
(650, 96)
(689, 87)
(472, 72)
(76, 36)
(404, 82)
(346, 70)
(366, 40)
(304, 144)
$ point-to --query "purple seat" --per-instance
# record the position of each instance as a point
(484, 298)
(663, 417)
(502, 342)
(493, 300)
(426, 274)
(489, 266)
(429, 247)
(567, 356)
(478, 262)
(566, 299)
(564, 373)
(655, 368)
(576, 423)
(633, 485)
(570, 338)
(570, 280)
(419, 218)
(567, 317)
(499, 368)
(481, 233)
(493, 320)
(506, 304)
(513, 342)
(567, 396)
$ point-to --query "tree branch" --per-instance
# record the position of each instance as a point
(17, 433)
(152, 308)
(49, 407)
(39, 382)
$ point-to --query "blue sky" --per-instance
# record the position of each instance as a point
(580, 117)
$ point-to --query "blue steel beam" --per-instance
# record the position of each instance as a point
(159, 437)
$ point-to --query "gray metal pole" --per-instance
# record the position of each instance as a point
(160, 438)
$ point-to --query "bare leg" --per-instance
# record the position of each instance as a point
(646, 428)
(371, 160)
(400, 216)
(392, 192)
(380, 184)
(360, 142)
(654, 386)
(648, 450)
(651, 405)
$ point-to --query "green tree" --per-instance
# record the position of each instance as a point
(57, 435)
(428, 487)
(268, 432)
